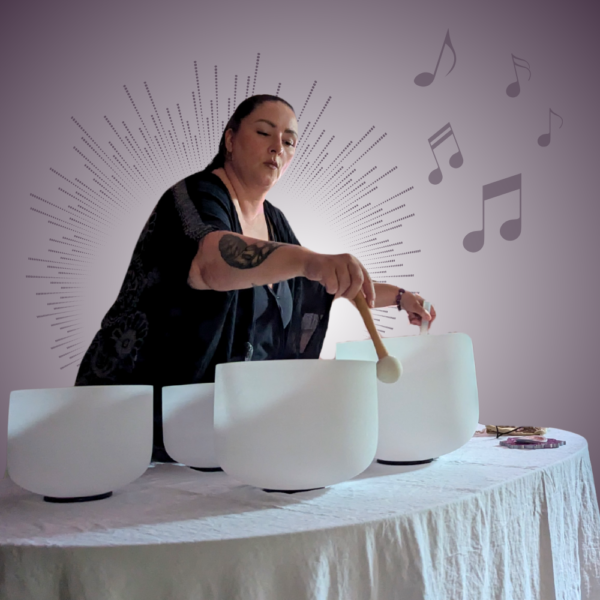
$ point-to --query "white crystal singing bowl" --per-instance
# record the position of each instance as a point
(295, 424)
(188, 430)
(79, 442)
(433, 409)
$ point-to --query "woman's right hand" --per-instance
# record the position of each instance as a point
(342, 275)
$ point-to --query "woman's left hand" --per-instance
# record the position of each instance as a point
(413, 305)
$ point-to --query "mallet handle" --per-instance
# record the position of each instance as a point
(365, 313)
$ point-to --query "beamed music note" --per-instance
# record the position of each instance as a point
(511, 229)
(456, 160)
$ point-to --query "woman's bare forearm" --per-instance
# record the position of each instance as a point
(229, 261)
(385, 295)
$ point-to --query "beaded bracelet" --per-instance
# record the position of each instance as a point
(399, 298)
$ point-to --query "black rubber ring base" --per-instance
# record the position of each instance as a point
(77, 499)
(207, 469)
(293, 491)
(404, 462)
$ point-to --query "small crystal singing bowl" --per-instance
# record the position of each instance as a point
(188, 430)
(433, 409)
(79, 443)
(295, 425)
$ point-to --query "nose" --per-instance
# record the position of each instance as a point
(277, 146)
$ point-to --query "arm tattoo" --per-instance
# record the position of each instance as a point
(240, 255)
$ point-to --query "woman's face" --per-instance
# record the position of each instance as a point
(264, 145)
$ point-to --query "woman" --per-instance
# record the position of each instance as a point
(218, 275)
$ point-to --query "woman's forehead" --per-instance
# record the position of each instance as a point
(276, 113)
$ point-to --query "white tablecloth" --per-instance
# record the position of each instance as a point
(484, 522)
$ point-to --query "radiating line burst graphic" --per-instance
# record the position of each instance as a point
(338, 180)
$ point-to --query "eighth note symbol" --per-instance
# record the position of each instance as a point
(514, 89)
(544, 139)
(456, 160)
(425, 79)
(511, 229)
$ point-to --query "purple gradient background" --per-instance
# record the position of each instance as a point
(528, 305)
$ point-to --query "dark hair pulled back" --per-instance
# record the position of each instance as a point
(242, 111)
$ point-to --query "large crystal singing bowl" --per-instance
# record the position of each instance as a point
(79, 443)
(433, 409)
(188, 431)
(291, 425)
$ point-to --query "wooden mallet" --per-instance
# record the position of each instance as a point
(389, 368)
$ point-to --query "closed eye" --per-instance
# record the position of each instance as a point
(288, 142)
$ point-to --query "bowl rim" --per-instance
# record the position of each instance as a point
(149, 387)
(403, 337)
(192, 383)
(293, 362)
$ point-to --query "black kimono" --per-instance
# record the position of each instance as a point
(161, 332)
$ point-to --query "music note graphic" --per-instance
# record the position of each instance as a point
(514, 89)
(456, 160)
(425, 79)
(544, 139)
(511, 229)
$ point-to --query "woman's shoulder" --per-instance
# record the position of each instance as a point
(196, 201)
(204, 190)
(199, 185)
(206, 183)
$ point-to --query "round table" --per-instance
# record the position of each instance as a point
(484, 521)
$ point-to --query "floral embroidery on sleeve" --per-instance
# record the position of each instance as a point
(136, 281)
(128, 338)
(116, 350)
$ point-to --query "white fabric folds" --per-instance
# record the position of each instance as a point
(482, 522)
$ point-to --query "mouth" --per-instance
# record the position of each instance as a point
(272, 164)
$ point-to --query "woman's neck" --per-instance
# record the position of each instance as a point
(249, 202)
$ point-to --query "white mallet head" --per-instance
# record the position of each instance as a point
(389, 369)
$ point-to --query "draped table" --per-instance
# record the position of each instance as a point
(481, 522)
